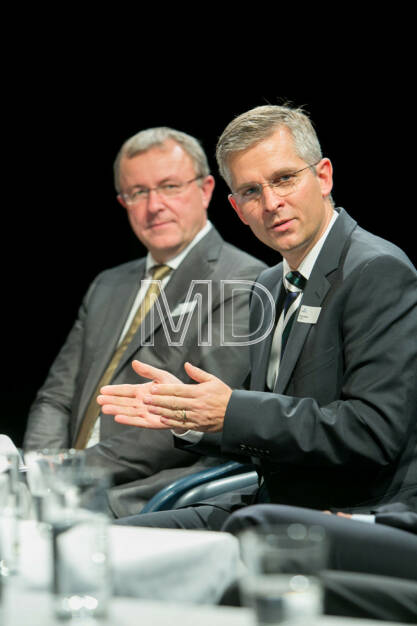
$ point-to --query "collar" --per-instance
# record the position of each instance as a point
(176, 261)
(306, 266)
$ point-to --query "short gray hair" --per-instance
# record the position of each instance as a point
(151, 137)
(259, 123)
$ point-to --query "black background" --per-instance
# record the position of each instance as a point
(62, 224)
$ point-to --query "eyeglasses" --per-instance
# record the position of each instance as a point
(250, 195)
(167, 190)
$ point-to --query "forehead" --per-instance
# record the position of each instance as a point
(257, 163)
(156, 164)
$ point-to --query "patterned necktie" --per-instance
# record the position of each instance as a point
(93, 410)
(283, 327)
(291, 305)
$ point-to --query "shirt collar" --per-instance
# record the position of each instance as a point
(306, 266)
(177, 260)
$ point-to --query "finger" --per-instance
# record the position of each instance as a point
(180, 418)
(171, 412)
(197, 374)
(181, 427)
(114, 409)
(153, 373)
(118, 400)
(118, 390)
(170, 402)
(149, 423)
(177, 391)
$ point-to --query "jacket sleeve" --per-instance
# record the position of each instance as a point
(50, 414)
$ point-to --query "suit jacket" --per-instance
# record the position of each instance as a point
(144, 461)
(340, 429)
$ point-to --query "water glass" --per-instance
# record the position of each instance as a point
(81, 567)
(14, 506)
(61, 478)
(282, 579)
(48, 474)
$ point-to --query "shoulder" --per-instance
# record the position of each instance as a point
(369, 247)
(236, 255)
(269, 277)
(370, 254)
(117, 272)
(230, 259)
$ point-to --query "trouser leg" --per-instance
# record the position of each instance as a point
(354, 545)
(203, 517)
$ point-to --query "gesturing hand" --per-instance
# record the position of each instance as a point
(125, 402)
(200, 407)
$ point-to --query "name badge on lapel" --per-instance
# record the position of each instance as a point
(309, 314)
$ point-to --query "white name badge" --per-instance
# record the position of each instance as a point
(308, 314)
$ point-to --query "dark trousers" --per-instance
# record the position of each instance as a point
(376, 565)
(354, 546)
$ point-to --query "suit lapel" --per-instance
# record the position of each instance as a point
(315, 292)
(198, 264)
(118, 306)
(261, 350)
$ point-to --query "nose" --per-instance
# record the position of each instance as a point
(154, 201)
(271, 201)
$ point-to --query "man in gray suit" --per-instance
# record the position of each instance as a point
(164, 183)
(331, 414)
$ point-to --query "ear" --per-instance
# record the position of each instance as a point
(325, 175)
(121, 201)
(207, 189)
(236, 208)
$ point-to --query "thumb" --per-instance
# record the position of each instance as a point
(153, 373)
(147, 371)
(197, 374)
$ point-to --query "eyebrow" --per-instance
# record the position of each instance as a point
(276, 174)
(168, 179)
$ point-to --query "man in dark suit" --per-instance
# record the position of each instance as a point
(331, 414)
(163, 181)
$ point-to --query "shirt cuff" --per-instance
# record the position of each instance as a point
(370, 519)
(193, 436)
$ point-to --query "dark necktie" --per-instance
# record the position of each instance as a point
(283, 327)
(298, 281)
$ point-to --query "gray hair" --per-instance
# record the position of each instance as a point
(151, 137)
(259, 123)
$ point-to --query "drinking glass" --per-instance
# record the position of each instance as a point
(81, 584)
(45, 472)
(62, 478)
(14, 506)
(282, 579)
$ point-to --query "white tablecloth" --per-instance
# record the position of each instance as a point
(34, 609)
(158, 564)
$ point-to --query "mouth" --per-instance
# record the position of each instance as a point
(282, 225)
(156, 225)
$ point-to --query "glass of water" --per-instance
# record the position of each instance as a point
(282, 577)
(81, 585)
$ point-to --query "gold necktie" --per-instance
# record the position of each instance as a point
(93, 409)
